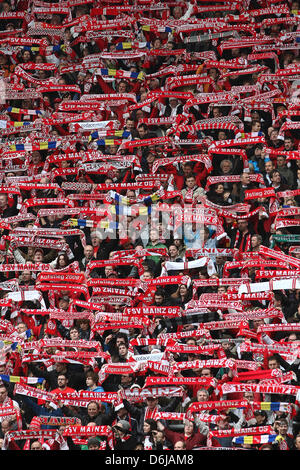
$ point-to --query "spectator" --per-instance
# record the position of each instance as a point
(190, 435)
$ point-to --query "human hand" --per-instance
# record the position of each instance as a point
(107, 339)
(160, 426)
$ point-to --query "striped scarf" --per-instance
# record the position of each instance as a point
(151, 413)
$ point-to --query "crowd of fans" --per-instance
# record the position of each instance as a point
(150, 244)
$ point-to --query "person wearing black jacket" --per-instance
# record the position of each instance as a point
(5, 209)
(119, 413)
(124, 440)
(88, 257)
(241, 236)
(283, 441)
(76, 379)
(140, 414)
(294, 367)
(173, 108)
(92, 414)
(106, 246)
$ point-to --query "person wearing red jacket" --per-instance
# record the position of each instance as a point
(198, 170)
(62, 382)
(190, 435)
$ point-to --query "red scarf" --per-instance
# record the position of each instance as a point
(150, 414)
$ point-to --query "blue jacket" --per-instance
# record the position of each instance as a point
(41, 410)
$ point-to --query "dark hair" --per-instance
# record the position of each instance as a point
(143, 126)
(26, 50)
(272, 358)
(93, 441)
(62, 374)
(124, 336)
(283, 421)
(97, 404)
(273, 173)
(74, 328)
(123, 81)
(152, 423)
(159, 291)
(66, 259)
(93, 375)
(190, 176)
(261, 413)
(191, 338)
(172, 244)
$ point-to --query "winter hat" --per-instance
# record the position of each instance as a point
(125, 425)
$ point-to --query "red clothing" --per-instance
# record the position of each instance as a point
(66, 390)
(53, 445)
(195, 440)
